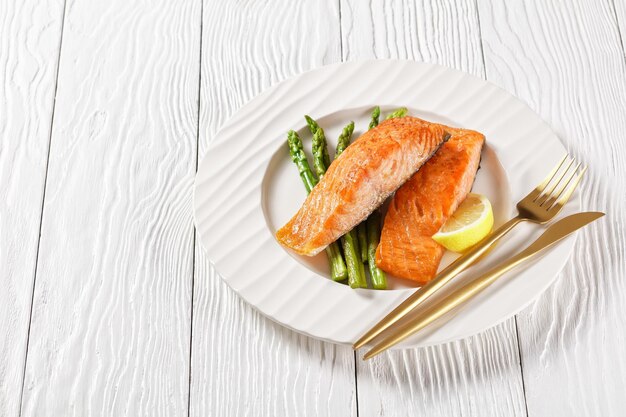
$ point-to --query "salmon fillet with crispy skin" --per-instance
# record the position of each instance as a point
(423, 204)
(360, 180)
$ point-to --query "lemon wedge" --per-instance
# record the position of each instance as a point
(470, 223)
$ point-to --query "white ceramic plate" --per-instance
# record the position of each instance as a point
(247, 187)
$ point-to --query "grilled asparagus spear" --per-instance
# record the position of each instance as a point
(338, 269)
(350, 241)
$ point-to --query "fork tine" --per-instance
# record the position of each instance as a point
(543, 197)
(551, 175)
(551, 198)
(564, 199)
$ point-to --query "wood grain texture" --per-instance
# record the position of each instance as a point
(479, 376)
(440, 32)
(565, 59)
(30, 33)
(111, 312)
(619, 8)
(242, 363)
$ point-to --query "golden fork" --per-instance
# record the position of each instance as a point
(540, 206)
(553, 234)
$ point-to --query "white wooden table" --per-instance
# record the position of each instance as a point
(108, 305)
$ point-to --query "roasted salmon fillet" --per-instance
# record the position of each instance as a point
(423, 204)
(360, 180)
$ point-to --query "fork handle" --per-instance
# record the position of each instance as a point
(461, 263)
(452, 270)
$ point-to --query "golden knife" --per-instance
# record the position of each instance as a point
(409, 326)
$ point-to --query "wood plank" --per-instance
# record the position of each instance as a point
(30, 34)
(478, 376)
(619, 8)
(242, 363)
(111, 313)
(565, 59)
